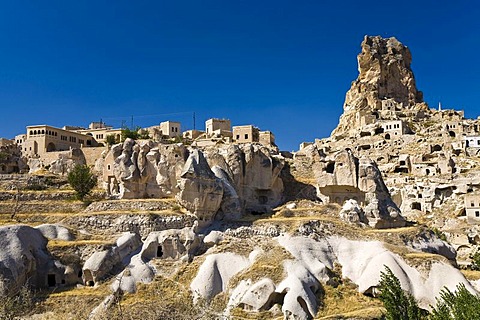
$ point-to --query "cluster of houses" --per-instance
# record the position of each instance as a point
(41, 139)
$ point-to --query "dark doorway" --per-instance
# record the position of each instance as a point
(416, 206)
(51, 281)
(159, 252)
(330, 167)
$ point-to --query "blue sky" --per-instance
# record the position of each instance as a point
(283, 66)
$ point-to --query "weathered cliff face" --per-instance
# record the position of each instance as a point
(341, 177)
(254, 173)
(384, 73)
(224, 180)
(143, 170)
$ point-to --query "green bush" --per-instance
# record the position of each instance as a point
(111, 140)
(475, 260)
(458, 305)
(399, 305)
(127, 133)
(82, 180)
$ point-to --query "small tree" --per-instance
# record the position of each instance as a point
(399, 305)
(127, 133)
(475, 260)
(458, 305)
(82, 180)
(111, 140)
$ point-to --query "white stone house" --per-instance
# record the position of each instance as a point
(472, 208)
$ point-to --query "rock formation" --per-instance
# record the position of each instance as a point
(384, 76)
(342, 176)
(24, 259)
(201, 192)
(223, 180)
(145, 170)
(67, 161)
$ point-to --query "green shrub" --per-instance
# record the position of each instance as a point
(475, 260)
(82, 180)
(458, 305)
(399, 305)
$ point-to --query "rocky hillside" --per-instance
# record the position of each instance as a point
(243, 231)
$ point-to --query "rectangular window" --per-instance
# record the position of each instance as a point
(472, 204)
(477, 214)
(246, 135)
(238, 137)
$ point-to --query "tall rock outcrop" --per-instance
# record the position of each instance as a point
(201, 192)
(384, 75)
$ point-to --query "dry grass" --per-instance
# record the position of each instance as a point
(342, 301)
(471, 275)
(55, 244)
(268, 264)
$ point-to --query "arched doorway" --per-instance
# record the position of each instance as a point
(50, 147)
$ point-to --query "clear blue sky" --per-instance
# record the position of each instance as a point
(283, 66)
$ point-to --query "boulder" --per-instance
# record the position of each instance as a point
(24, 259)
(172, 243)
(55, 232)
(67, 161)
(351, 212)
(103, 263)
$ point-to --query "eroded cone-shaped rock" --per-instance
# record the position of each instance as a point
(384, 73)
(201, 192)
(380, 210)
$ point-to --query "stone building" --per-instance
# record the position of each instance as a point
(454, 128)
(266, 138)
(472, 208)
(472, 141)
(171, 129)
(246, 134)
(42, 138)
(219, 127)
(99, 131)
(394, 129)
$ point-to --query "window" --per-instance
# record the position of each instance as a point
(246, 135)
(472, 204)
(477, 214)
(238, 137)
